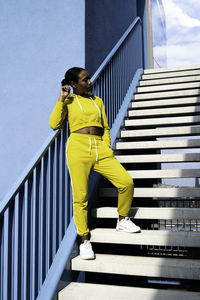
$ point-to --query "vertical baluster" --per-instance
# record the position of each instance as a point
(61, 184)
(68, 198)
(7, 256)
(18, 234)
(56, 196)
(1, 256)
(26, 245)
(49, 223)
(42, 221)
(112, 98)
(35, 231)
(63, 178)
(120, 76)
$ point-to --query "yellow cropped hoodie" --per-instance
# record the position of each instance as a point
(81, 112)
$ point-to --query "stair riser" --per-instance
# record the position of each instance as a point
(154, 192)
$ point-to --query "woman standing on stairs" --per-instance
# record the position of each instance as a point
(88, 147)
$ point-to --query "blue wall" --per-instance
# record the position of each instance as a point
(40, 39)
(105, 22)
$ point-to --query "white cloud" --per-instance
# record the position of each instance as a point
(175, 16)
(182, 32)
(178, 55)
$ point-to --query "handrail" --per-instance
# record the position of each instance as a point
(36, 213)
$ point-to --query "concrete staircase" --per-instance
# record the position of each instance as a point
(163, 261)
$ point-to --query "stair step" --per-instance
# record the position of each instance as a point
(150, 213)
(140, 266)
(91, 291)
(170, 74)
(168, 87)
(165, 102)
(173, 131)
(164, 111)
(169, 80)
(162, 158)
(147, 237)
(172, 192)
(170, 94)
(162, 144)
(164, 121)
(181, 173)
(171, 69)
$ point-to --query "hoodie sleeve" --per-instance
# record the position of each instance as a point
(58, 115)
(106, 133)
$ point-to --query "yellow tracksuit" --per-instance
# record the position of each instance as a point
(85, 152)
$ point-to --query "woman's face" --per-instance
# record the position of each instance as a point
(84, 85)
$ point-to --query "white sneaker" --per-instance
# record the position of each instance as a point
(127, 225)
(86, 251)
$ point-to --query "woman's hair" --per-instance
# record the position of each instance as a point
(71, 75)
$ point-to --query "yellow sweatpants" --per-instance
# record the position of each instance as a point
(85, 152)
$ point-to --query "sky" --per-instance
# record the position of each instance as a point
(180, 46)
(182, 33)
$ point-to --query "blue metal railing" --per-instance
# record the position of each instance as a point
(37, 231)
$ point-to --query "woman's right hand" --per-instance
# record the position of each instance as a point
(64, 92)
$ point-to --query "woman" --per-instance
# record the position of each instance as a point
(88, 147)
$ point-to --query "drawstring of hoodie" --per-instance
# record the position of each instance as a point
(95, 141)
(92, 102)
(90, 147)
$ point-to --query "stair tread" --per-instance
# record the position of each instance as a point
(140, 266)
(171, 74)
(147, 237)
(180, 157)
(170, 173)
(172, 143)
(174, 69)
(162, 81)
(91, 291)
(173, 131)
(163, 111)
(154, 191)
(151, 213)
(167, 87)
(163, 121)
(165, 102)
(166, 94)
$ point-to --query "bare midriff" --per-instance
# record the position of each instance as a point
(90, 130)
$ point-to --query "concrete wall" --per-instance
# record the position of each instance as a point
(105, 23)
(40, 39)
